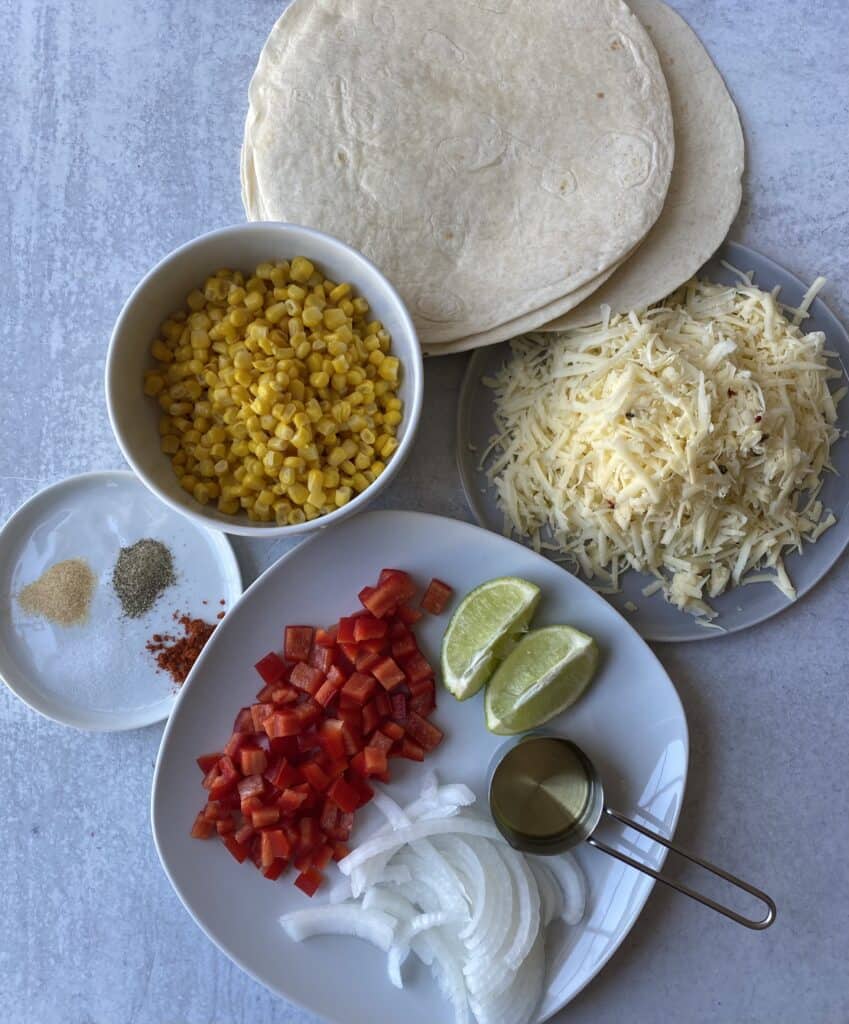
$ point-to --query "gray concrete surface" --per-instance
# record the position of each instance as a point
(120, 139)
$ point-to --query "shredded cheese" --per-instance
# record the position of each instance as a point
(688, 442)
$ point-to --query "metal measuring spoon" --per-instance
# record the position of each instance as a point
(546, 797)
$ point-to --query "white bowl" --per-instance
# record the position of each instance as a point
(134, 416)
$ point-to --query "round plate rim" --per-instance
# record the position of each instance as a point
(158, 780)
(121, 722)
(471, 376)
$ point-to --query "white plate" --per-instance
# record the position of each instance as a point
(98, 675)
(739, 607)
(630, 722)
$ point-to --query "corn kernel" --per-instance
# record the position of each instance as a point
(342, 496)
(301, 269)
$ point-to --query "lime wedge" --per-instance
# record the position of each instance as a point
(547, 671)
(487, 616)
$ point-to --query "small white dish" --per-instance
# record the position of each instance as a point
(135, 417)
(630, 722)
(98, 675)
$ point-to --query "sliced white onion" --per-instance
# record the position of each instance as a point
(550, 893)
(400, 948)
(413, 833)
(572, 884)
(487, 936)
(343, 919)
(442, 884)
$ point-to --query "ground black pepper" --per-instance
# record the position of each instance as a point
(143, 571)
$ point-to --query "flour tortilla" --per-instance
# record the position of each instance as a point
(703, 199)
(489, 161)
(706, 188)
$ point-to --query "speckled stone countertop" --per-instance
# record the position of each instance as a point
(122, 125)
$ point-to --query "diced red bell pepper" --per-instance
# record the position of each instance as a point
(326, 694)
(284, 775)
(244, 721)
(308, 741)
(290, 801)
(400, 582)
(411, 750)
(326, 637)
(279, 843)
(399, 707)
(252, 760)
(348, 654)
(253, 785)
(250, 804)
(436, 597)
(275, 870)
(352, 737)
(208, 761)
(329, 816)
(345, 630)
(380, 740)
(340, 851)
(407, 614)
(380, 601)
(393, 729)
(236, 742)
(284, 695)
(416, 668)
(383, 703)
(226, 778)
(388, 673)
(309, 834)
(351, 714)
(404, 646)
(283, 746)
(364, 789)
(306, 678)
(241, 851)
(259, 713)
(344, 795)
(322, 856)
(425, 733)
(282, 723)
(266, 856)
(344, 827)
(336, 768)
(244, 834)
(315, 776)
(322, 658)
(265, 816)
(367, 627)
(272, 668)
(423, 705)
(359, 688)
(214, 810)
(370, 761)
(366, 660)
(203, 828)
(264, 695)
(308, 713)
(330, 736)
(297, 643)
(308, 881)
(371, 717)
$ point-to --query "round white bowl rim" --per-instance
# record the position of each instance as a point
(240, 527)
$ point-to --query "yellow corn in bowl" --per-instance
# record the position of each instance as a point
(265, 379)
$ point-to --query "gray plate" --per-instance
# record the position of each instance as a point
(742, 606)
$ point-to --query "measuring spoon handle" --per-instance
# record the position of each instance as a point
(720, 908)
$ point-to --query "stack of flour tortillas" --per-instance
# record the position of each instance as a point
(509, 168)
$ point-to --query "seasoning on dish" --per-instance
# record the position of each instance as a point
(62, 594)
(142, 573)
(176, 655)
